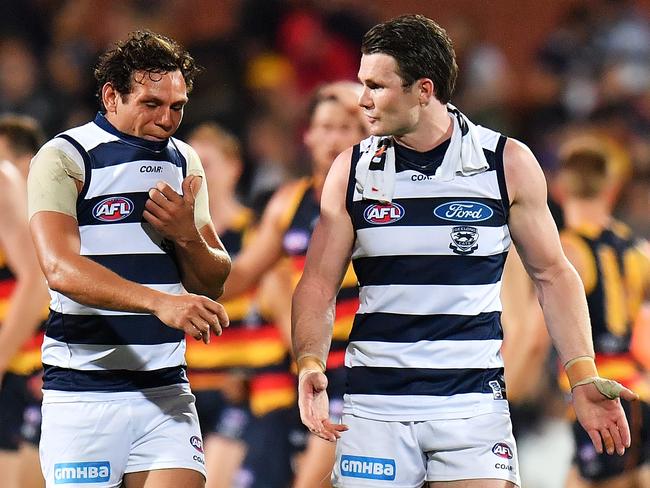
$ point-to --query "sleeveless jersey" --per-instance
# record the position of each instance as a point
(614, 279)
(91, 349)
(426, 339)
(301, 217)
(28, 358)
(252, 343)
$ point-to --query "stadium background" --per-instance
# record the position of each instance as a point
(538, 71)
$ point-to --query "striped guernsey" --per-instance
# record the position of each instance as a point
(89, 349)
(426, 339)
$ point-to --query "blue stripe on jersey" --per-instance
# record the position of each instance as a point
(56, 378)
(117, 152)
(146, 269)
(110, 329)
(420, 381)
(419, 212)
(391, 327)
(429, 270)
(85, 209)
(347, 293)
(491, 158)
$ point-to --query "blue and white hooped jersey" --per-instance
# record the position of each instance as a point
(90, 349)
(426, 339)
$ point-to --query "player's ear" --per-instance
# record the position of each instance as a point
(426, 91)
(109, 98)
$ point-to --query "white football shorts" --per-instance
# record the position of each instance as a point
(406, 454)
(92, 439)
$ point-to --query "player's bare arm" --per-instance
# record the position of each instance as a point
(202, 259)
(265, 249)
(55, 233)
(30, 295)
(314, 300)
(56, 237)
(560, 293)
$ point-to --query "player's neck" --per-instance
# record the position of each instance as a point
(593, 211)
(434, 126)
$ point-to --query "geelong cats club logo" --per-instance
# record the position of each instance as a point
(112, 209)
(464, 239)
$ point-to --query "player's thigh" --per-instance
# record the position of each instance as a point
(316, 464)
(29, 473)
(374, 453)
(84, 442)
(166, 435)
(164, 478)
(474, 448)
(223, 457)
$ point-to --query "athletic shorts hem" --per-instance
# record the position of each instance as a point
(158, 465)
(516, 481)
(371, 484)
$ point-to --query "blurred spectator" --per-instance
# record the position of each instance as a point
(21, 88)
(487, 85)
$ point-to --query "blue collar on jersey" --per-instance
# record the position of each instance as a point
(157, 146)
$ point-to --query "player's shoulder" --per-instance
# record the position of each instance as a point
(523, 173)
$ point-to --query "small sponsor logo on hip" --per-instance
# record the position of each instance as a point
(196, 443)
(88, 472)
(368, 467)
(502, 450)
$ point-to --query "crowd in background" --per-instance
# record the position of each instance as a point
(263, 59)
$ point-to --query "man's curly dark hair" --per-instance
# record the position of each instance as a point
(143, 51)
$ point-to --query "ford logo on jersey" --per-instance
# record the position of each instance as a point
(463, 211)
(112, 209)
(383, 213)
(368, 468)
(92, 472)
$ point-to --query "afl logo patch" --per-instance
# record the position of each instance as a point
(463, 211)
(383, 213)
(196, 443)
(502, 450)
(112, 209)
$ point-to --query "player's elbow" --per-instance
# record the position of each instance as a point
(214, 287)
(551, 273)
(57, 275)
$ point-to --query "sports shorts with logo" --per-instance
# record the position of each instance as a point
(95, 437)
(407, 454)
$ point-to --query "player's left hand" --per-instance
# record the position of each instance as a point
(172, 214)
(603, 418)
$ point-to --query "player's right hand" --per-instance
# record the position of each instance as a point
(196, 315)
(314, 406)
